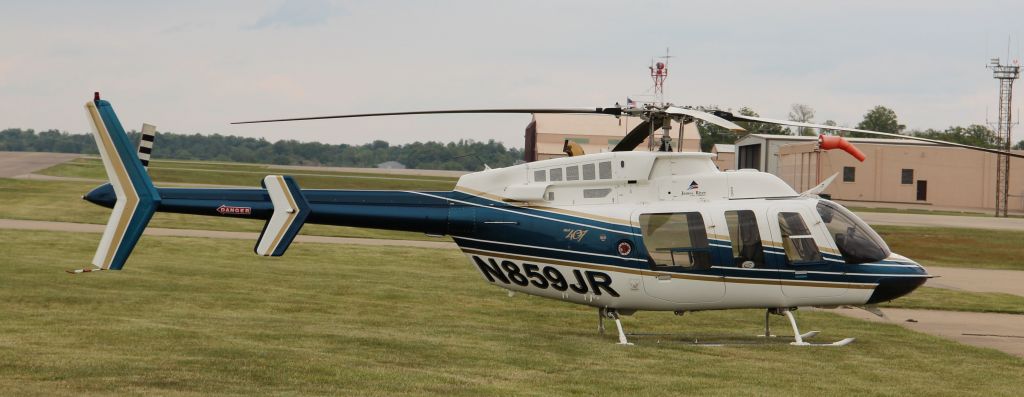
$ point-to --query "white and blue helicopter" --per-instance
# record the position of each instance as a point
(620, 231)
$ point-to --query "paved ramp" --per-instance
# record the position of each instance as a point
(1004, 332)
(14, 164)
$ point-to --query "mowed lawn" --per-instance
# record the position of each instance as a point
(957, 247)
(61, 200)
(251, 175)
(199, 316)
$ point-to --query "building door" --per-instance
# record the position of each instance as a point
(922, 190)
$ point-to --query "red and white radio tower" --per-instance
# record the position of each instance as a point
(659, 72)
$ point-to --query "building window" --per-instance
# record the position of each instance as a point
(797, 239)
(907, 177)
(849, 174)
(604, 170)
(556, 174)
(589, 173)
(613, 142)
(580, 140)
(540, 176)
(676, 241)
(572, 173)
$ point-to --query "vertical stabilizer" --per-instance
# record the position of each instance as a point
(137, 198)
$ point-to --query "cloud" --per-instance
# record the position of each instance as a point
(298, 13)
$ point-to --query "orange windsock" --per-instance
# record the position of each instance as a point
(829, 142)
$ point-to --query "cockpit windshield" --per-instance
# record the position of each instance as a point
(856, 241)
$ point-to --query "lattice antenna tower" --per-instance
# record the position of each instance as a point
(659, 72)
(1006, 74)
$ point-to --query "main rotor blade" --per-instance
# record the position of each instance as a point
(608, 111)
(634, 138)
(708, 117)
(835, 128)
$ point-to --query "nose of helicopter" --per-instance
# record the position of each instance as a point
(905, 280)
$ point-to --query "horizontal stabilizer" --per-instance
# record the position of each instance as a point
(290, 212)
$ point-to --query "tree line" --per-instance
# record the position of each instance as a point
(465, 155)
(878, 118)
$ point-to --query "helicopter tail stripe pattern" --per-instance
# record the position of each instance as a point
(137, 198)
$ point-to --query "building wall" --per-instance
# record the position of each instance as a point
(546, 134)
(725, 160)
(956, 178)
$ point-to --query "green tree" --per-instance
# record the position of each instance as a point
(1019, 145)
(879, 118)
(974, 135)
(802, 114)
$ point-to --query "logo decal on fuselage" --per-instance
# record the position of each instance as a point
(575, 234)
(509, 273)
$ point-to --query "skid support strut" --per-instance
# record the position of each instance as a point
(612, 314)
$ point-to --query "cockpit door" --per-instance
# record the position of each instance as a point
(798, 239)
(679, 257)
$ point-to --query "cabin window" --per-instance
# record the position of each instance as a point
(747, 251)
(588, 172)
(856, 241)
(797, 239)
(572, 173)
(540, 176)
(907, 176)
(596, 193)
(849, 174)
(604, 170)
(676, 241)
(556, 174)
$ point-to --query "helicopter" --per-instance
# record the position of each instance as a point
(620, 231)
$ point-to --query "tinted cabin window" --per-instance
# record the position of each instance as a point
(849, 174)
(588, 172)
(856, 241)
(604, 170)
(747, 250)
(797, 239)
(556, 174)
(572, 173)
(540, 176)
(676, 241)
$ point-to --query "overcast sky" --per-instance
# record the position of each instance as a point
(195, 66)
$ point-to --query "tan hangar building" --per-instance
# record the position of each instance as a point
(896, 171)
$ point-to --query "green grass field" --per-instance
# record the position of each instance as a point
(251, 175)
(349, 320)
(957, 247)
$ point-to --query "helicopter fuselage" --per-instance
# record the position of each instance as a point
(622, 230)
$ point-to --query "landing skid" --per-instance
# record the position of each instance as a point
(798, 338)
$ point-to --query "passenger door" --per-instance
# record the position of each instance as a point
(797, 240)
(679, 258)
